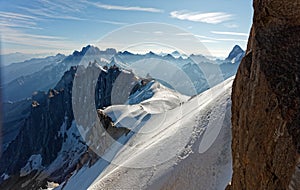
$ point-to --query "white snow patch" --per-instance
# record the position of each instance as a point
(104, 60)
(158, 93)
(125, 71)
(33, 163)
(4, 176)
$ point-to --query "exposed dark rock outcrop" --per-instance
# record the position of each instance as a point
(266, 100)
(113, 131)
(46, 127)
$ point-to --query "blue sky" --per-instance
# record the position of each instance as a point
(56, 26)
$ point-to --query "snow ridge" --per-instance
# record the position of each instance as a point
(170, 149)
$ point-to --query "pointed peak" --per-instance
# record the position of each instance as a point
(151, 53)
(236, 50)
(169, 56)
(111, 51)
(89, 48)
(126, 53)
(237, 47)
(59, 55)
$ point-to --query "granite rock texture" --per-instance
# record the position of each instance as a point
(266, 100)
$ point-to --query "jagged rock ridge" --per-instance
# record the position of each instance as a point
(53, 133)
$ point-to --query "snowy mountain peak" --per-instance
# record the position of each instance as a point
(169, 56)
(93, 50)
(176, 54)
(125, 53)
(84, 50)
(110, 51)
(150, 54)
(60, 55)
(237, 50)
(236, 54)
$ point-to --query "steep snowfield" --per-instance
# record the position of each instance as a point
(70, 152)
(172, 145)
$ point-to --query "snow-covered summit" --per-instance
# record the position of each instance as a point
(236, 54)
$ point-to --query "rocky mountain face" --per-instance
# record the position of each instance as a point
(236, 54)
(48, 146)
(266, 101)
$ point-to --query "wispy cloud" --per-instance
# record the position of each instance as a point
(14, 25)
(111, 22)
(208, 39)
(14, 36)
(17, 20)
(211, 17)
(50, 14)
(55, 9)
(230, 33)
(184, 34)
(67, 10)
(65, 5)
(125, 8)
(231, 25)
(158, 32)
(140, 32)
(18, 16)
(221, 39)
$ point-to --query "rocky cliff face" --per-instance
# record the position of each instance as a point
(266, 100)
(49, 146)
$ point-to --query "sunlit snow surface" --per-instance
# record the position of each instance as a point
(173, 145)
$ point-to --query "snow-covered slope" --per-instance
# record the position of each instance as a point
(185, 146)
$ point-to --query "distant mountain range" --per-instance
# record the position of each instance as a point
(28, 67)
(7, 59)
(22, 79)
